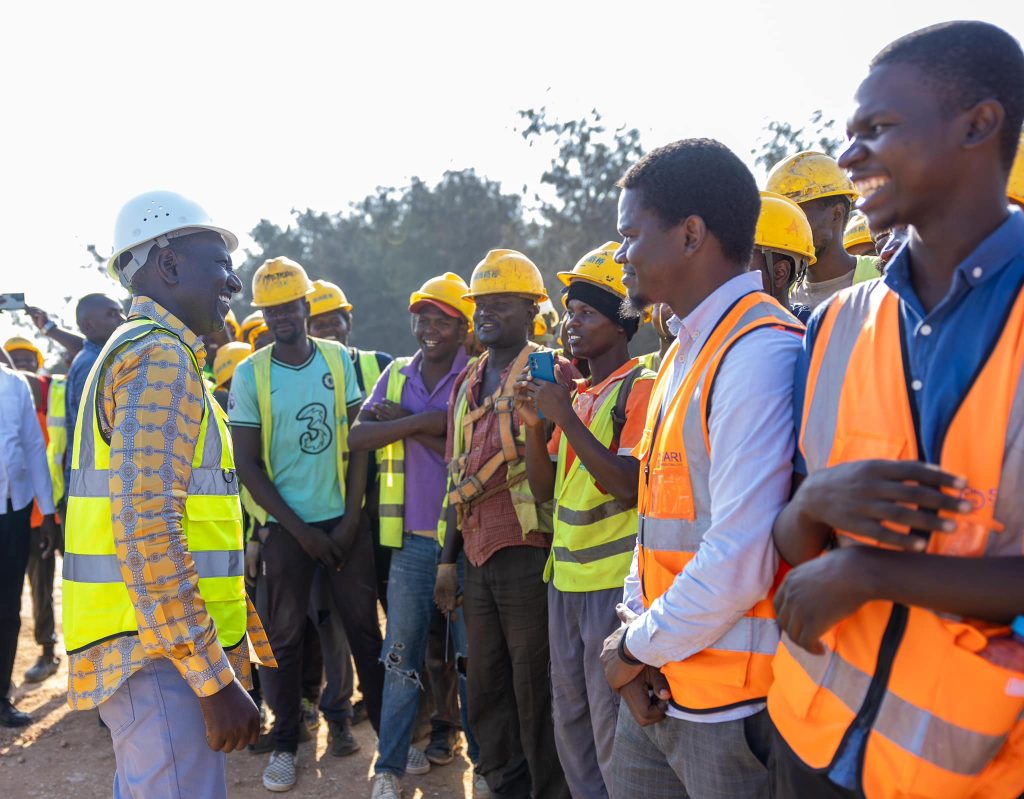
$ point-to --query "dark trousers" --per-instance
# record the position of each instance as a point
(287, 576)
(793, 779)
(15, 538)
(509, 695)
(40, 580)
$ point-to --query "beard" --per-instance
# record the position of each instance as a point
(633, 306)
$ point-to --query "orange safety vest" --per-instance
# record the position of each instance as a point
(674, 505)
(940, 720)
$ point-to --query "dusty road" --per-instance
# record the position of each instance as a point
(64, 754)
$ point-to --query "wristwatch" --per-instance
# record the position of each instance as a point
(50, 325)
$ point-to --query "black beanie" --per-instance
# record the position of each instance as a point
(603, 301)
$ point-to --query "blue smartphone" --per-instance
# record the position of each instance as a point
(542, 366)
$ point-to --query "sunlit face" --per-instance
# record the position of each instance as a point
(649, 254)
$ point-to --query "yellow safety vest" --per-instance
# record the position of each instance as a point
(96, 602)
(532, 515)
(594, 533)
(58, 435)
(392, 468)
(333, 354)
(368, 366)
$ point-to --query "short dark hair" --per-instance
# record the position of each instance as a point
(966, 62)
(86, 301)
(700, 177)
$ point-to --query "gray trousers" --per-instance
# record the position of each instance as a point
(584, 707)
(160, 739)
(677, 759)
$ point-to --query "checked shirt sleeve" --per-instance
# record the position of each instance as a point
(156, 412)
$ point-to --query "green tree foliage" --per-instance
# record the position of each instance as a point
(589, 159)
(384, 247)
(783, 139)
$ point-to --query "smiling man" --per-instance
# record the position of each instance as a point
(589, 470)
(406, 419)
(506, 534)
(290, 406)
(154, 607)
(897, 675)
(715, 467)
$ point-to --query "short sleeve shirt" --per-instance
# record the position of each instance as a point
(302, 448)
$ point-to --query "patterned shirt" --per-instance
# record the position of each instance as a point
(151, 402)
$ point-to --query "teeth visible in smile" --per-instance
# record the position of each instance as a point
(867, 186)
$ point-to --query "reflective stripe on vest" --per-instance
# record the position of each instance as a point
(57, 433)
(391, 474)
(594, 534)
(332, 353)
(369, 369)
(96, 602)
(942, 720)
(675, 514)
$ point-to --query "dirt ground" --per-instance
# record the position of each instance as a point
(64, 754)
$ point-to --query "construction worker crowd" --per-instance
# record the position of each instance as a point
(780, 556)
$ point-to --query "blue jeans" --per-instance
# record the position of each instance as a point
(410, 606)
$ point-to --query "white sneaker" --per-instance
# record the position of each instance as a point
(385, 786)
(279, 775)
(416, 762)
(481, 790)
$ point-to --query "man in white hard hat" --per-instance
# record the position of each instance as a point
(156, 620)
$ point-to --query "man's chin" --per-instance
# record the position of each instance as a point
(636, 302)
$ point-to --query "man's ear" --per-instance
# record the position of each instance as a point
(984, 121)
(782, 269)
(168, 266)
(692, 232)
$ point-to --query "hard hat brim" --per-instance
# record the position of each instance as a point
(306, 293)
(529, 295)
(230, 241)
(448, 310)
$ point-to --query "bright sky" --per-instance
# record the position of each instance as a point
(255, 108)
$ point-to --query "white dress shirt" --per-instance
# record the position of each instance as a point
(752, 441)
(24, 472)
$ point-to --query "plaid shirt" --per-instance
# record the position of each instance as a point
(151, 401)
(492, 525)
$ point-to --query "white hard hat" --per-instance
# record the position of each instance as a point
(152, 219)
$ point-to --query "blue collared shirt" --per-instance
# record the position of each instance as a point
(946, 346)
(78, 373)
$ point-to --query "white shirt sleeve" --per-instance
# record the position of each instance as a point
(752, 441)
(632, 597)
(34, 447)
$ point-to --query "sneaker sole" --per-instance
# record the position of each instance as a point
(276, 787)
(418, 771)
(440, 760)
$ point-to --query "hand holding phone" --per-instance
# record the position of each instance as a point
(14, 301)
(542, 366)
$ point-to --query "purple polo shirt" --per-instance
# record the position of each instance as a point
(426, 475)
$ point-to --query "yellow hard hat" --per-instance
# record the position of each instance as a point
(327, 297)
(251, 322)
(783, 227)
(598, 267)
(277, 281)
(857, 231)
(1015, 188)
(255, 333)
(449, 290)
(546, 319)
(231, 323)
(228, 357)
(18, 343)
(809, 176)
(506, 272)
